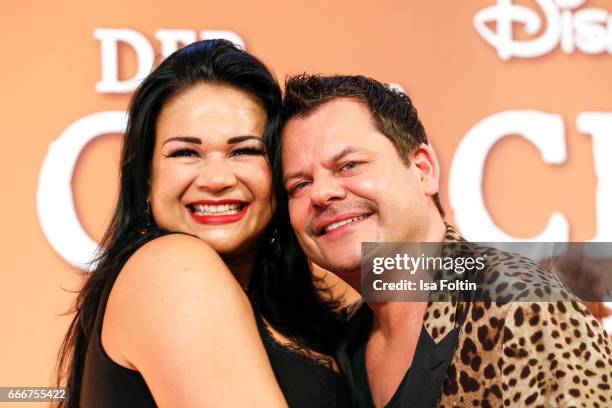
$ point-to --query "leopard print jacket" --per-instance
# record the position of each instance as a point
(522, 353)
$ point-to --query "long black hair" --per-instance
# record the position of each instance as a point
(286, 295)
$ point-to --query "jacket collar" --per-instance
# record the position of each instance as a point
(441, 317)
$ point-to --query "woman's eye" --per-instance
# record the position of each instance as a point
(183, 153)
(248, 151)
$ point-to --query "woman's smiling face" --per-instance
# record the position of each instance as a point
(210, 175)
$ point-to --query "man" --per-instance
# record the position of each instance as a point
(355, 166)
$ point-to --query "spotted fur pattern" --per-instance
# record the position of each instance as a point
(523, 353)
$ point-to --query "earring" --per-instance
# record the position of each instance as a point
(148, 217)
(148, 210)
(274, 236)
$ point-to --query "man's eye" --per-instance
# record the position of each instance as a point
(247, 151)
(349, 166)
(183, 152)
(297, 187)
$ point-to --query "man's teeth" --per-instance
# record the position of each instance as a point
(338, 224)
(224, 209)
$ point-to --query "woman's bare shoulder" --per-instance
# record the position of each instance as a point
(171, 251)
(169, 285)
(178, 316)
(173, 261)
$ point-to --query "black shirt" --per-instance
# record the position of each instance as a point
(422, 383)
(305, 382)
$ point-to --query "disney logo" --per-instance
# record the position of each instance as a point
(588, 29)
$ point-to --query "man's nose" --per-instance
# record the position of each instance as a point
(215, 175)
(325, 190)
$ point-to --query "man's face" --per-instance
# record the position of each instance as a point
(347, 184)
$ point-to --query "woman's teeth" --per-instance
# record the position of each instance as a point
(223, 209)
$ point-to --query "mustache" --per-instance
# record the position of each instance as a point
(336, 209)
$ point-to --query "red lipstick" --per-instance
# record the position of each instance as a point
(216, 219)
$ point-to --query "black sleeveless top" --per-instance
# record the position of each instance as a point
(303, 381)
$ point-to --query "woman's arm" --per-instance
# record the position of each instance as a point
(178, 316)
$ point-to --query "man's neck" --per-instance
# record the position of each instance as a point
(392, 315)
(391, 346)
(396, 328)
(397, 320)
(436, 231)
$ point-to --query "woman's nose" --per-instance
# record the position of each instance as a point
(215, 175)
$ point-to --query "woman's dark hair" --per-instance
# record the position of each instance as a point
(283, 294)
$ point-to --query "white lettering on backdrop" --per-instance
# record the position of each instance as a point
(169, 40)
(547, 133)
(588, 29)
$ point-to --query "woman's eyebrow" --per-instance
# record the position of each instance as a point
(197, 140)
(238, 139)
(188, 139)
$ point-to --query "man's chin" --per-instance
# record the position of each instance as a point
(341, 265)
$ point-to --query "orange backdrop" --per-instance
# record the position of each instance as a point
(456, 78)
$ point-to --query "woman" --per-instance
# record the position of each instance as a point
(165, 318)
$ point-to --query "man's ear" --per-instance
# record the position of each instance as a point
(425, 160)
